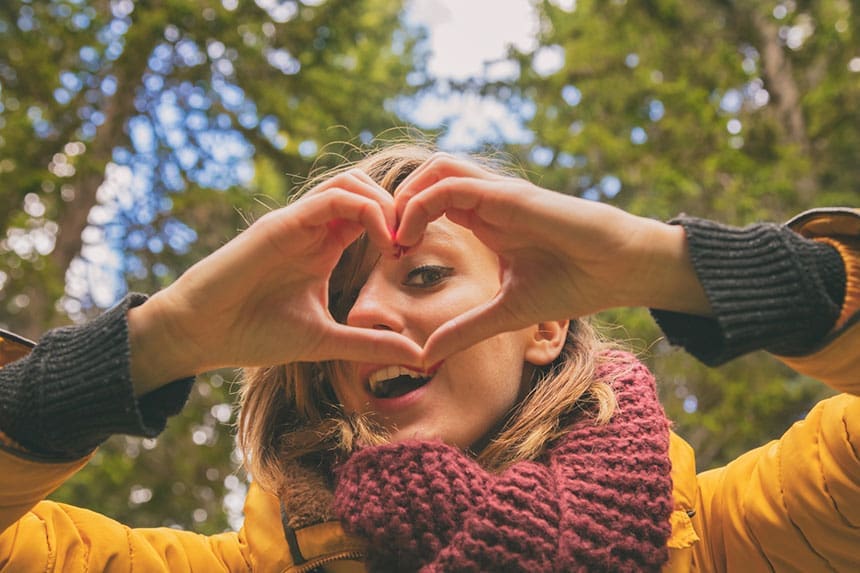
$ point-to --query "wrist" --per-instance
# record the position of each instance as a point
(671, 282)
(158, 355)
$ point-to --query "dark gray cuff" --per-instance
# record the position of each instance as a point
(74, 390)
(769, 289)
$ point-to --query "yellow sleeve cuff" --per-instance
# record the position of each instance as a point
(849, 250)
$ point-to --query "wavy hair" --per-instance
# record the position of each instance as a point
(290, 412)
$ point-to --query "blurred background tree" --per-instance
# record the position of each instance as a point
(738, 111)
(136, 137)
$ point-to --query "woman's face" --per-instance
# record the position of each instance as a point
(470, 393)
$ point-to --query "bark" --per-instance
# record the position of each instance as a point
(128, 70)
(786, 95)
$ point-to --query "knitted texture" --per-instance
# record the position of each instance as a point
(849, 250)
(599, 500)
(769, 288)
(74, 390)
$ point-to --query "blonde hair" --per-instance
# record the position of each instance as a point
(290, 412)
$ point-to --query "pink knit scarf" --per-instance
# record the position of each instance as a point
(599, 501)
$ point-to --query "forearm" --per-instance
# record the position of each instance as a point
(74, 390)
(768, 287)
(157, 355)
(670, 281)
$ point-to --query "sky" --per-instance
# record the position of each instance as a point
(462, 37)
(466, 35)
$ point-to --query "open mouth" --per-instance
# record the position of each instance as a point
(395, 381)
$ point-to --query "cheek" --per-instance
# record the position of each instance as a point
(498, 363)
(489, 383)
(458, 299)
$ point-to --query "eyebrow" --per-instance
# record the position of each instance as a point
(438, 234)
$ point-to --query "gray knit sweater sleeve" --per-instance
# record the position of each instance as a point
(769, 288)
(74, 390)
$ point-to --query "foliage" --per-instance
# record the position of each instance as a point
(137, 137)
(127, 121)
(736, 111)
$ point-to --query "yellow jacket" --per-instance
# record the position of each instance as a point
(790, 505)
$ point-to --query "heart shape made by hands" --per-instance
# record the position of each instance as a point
(471, 210)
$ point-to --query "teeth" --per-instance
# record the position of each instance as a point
(389, 372)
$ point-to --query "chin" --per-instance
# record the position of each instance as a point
(418, 433)
(466, 447)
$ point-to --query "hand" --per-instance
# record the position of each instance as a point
(561, 257)
(262, 299)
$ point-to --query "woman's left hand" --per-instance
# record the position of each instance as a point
(263, 297)
(561, 257)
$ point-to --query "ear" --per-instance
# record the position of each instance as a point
(546, 342)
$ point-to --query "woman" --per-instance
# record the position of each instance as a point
(438, 409)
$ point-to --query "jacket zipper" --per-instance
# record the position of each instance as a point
(313, 564)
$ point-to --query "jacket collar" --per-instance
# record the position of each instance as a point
(297, 531)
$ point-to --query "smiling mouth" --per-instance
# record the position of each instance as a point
(396, 381)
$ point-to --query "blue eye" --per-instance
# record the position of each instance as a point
(427, 276)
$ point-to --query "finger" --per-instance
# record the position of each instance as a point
(364, 176)
(370, 188)
(450, 193)
(348, 179)
(470, 328)
(357, 181)
(496, 202)
(384, 196)
(338, 205)
(438, 167)
(368, 345)
(487, 233)
(345, 232)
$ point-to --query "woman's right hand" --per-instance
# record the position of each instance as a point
(560, 257)
(262, 299)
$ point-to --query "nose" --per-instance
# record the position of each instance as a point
(376, 306)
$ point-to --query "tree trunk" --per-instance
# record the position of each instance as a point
(128, 70)
(782, 85)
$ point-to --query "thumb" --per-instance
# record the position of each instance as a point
(474, 326)
(369, 345)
